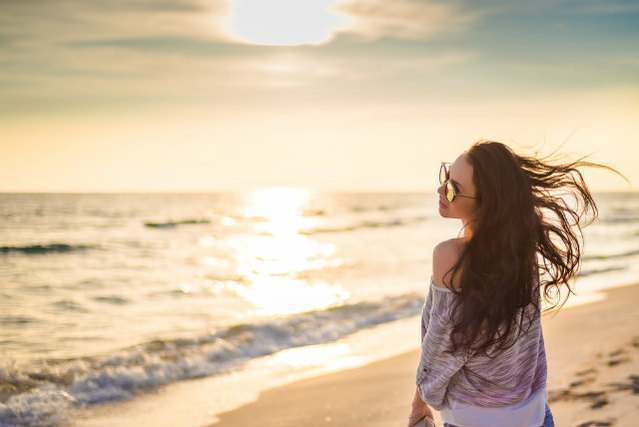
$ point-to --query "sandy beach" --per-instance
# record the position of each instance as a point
(593, 377)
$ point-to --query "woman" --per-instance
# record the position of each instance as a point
(483, 360)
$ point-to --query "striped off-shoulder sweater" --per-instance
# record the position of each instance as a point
(512, 384)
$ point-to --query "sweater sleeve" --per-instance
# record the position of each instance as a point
(436, 368)
(428, 303)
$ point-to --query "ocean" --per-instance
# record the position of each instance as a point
(108, 298)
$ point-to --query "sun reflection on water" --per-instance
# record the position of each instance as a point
(282, 209)
(330, 357)
(276, 296)
(270, 263)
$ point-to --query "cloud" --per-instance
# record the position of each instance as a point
(38, 31)
(406, 19)
(571, 8)
(127, 51)
(170, 44)
(157, 5)
(43, 23)
(607, 7)
(366, 20)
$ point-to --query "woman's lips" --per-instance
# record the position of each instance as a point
(441, 204)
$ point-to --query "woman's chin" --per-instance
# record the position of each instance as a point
(444, 212)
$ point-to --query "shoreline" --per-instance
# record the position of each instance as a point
(593, 362)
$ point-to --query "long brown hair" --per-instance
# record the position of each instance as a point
(522, 231)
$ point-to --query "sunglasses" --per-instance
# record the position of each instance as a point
(451, 190)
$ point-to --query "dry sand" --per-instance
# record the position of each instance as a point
(593, 378)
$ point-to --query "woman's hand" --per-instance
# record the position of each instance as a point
(419, 410)
(416, 417)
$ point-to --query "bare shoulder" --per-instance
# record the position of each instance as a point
(445, 256)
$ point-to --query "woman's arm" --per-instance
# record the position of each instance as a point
(437, 366)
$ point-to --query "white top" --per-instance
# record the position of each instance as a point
(528, 413)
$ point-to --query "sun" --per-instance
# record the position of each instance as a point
(285, 22)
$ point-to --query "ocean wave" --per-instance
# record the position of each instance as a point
(111, 299)
(42, 395)
(617, 219)
(68, 305)
(44, 249)
(624, 210)
(593, 271)
(314, 212)
(171, 224)
(600, 257)
(396, 222)
(361, 208)
(17, 320)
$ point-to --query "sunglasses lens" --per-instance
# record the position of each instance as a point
(450, 192)
(442, 174)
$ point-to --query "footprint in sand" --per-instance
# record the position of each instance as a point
(599, 403)
(595, 424)
(632, 384)
(596, 399)
(617, 357)
(579, 383)
(617, 352)
(586, 372)
(617, 361)
(599, 398)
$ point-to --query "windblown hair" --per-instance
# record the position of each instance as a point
(523, 230)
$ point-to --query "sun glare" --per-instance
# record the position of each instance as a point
(274, 254)
(284, 22)
(280, 207)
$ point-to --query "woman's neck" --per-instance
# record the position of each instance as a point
(468, 232)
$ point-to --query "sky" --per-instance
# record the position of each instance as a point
(335, 95)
